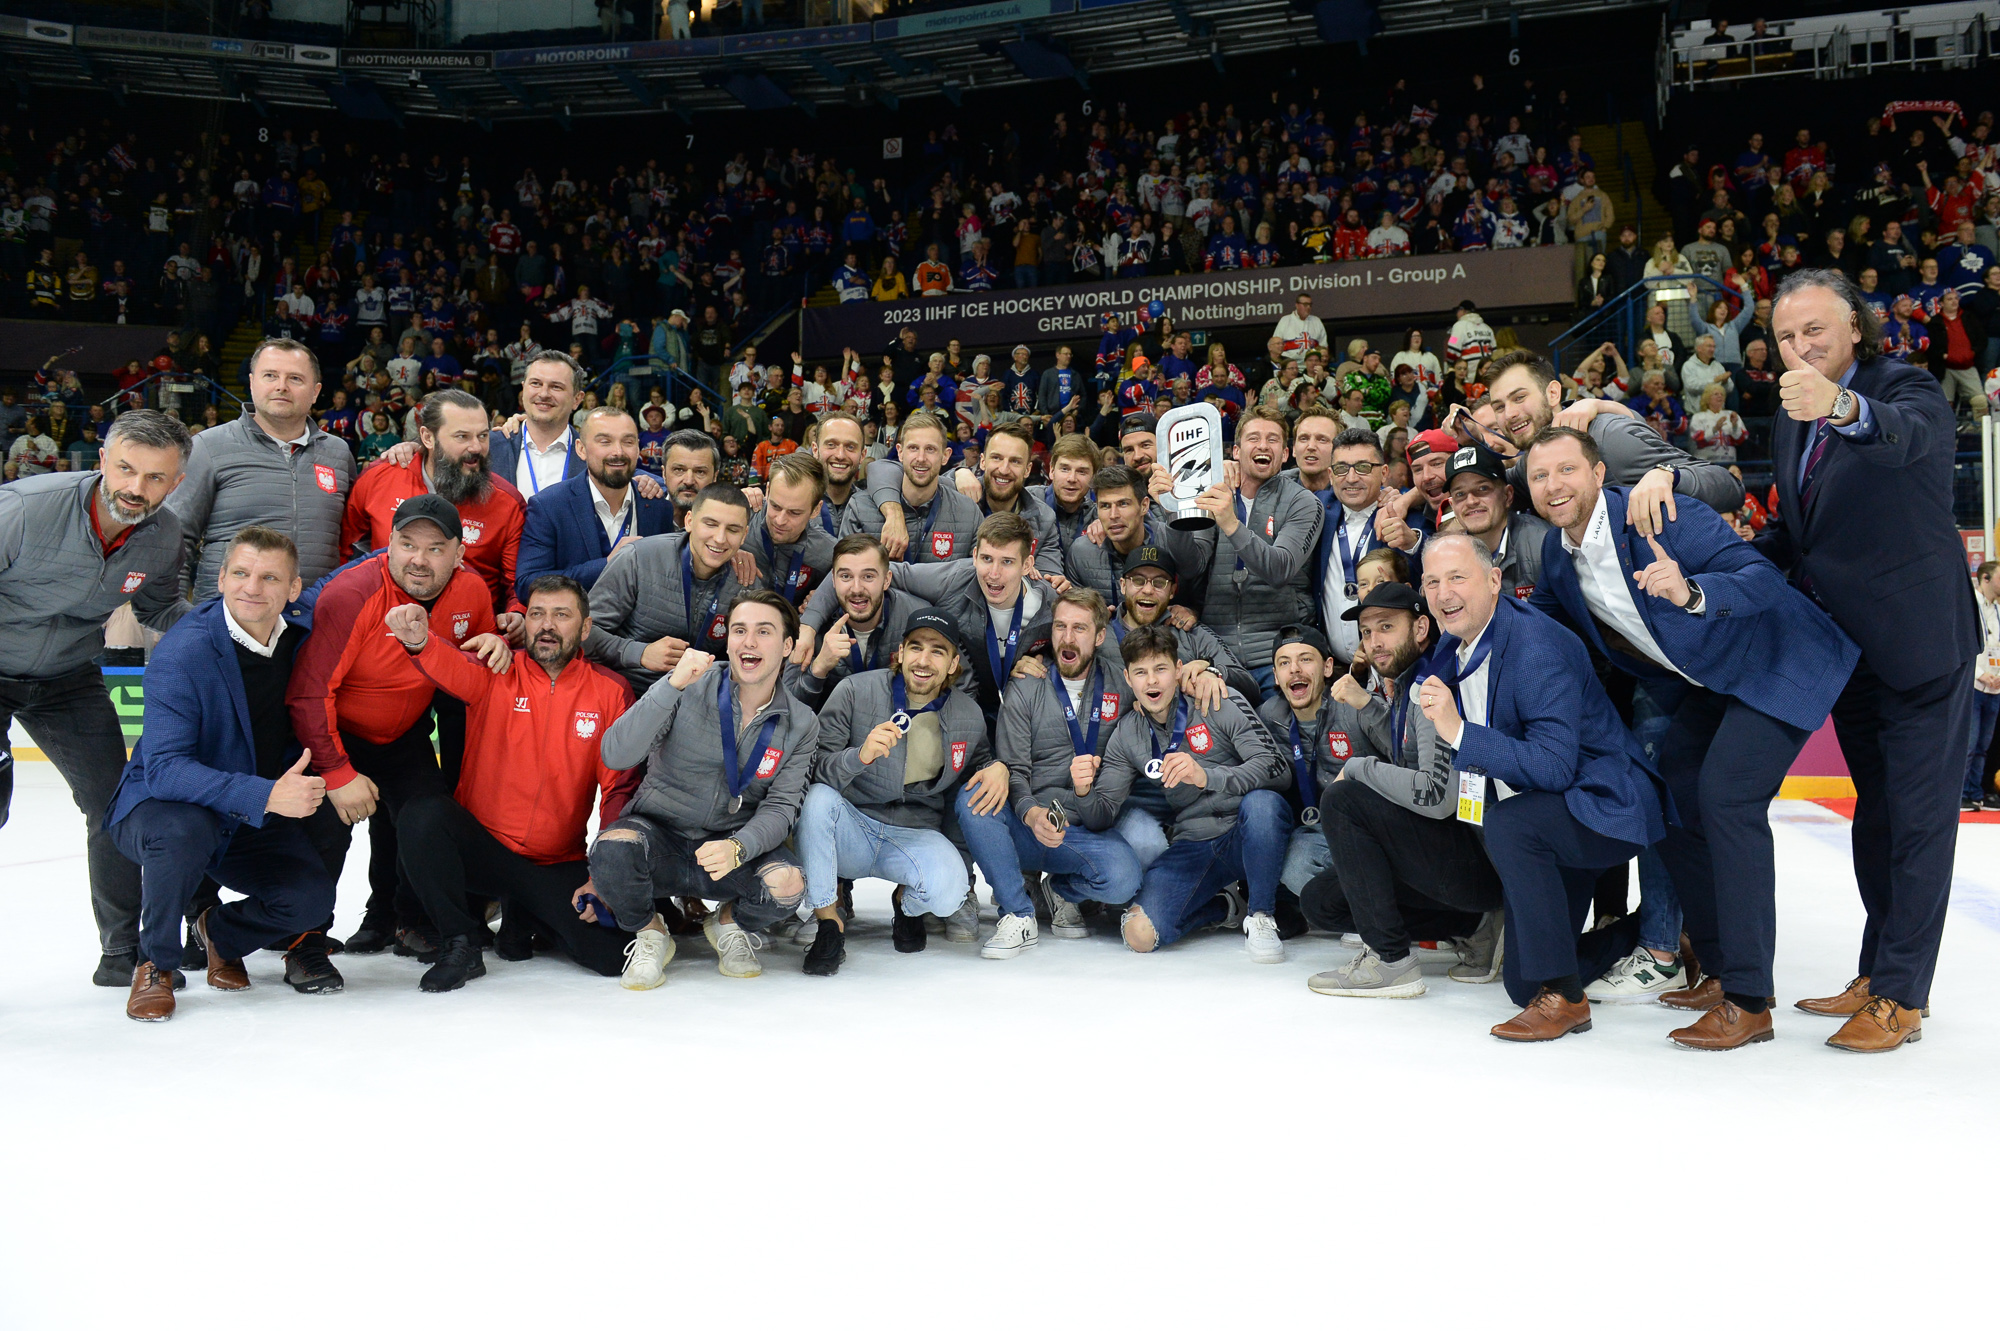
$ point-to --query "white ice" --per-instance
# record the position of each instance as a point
(1078, 1136)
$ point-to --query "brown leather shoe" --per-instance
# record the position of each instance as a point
(1879, 1027)
(223, 972)
(1845, 1003)
(1696, 998)
(1724, 1026)
(1690, 963)
(1549, 1017)
(152, 997)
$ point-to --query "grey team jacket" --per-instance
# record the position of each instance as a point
(1231, 743)
(639, 599)
(1033, 736)
(238, 476)
(861, 702)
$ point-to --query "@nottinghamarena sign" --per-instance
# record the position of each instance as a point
(1410, 286)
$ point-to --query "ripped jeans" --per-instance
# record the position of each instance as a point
(631, 874)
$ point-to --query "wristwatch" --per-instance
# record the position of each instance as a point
(1673, 472)
(1695, 598)
(736, 847)
(1842, 405)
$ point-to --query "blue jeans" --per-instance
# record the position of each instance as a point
(1306, 856)
(838, 841)
(1027, 275)
(1985, 710)
(1182, 891)
(1143, 832)
(1659, 903)
(1087, 866)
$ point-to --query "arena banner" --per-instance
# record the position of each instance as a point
(189, 43)
(605, 53)
(383, 58)
(945, 21)
(797, 39)
(37, 30)
(1365, 289)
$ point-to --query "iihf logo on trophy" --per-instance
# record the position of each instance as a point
(1190, 442)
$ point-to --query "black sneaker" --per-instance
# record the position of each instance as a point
(829, 949)
(373, 936)
(114, 970)
(420, 942)
(458, 960)
(907, 932)
(1991, 804)
(1291, 920)
(309, 969)
(1970, 806)
(193, 955)
(517, 936)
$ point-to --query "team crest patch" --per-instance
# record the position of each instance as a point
(327, 480)
(769, 762)
(1199, 740)
(1338, 745)
(958, 747)
(586, 724)
(460, 625)
(1524, 591)
(942, 544)
(473, 531)
(1271, 525)
(1107, 707)
(132, 582)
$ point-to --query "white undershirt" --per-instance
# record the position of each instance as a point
(1345, 635)
(613, 522)
(1472, 696)
(245, 640)
(539, 468)
(1611, 596)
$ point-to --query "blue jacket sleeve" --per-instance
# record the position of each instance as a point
(1734, 576)
(174, 770)
(1909, 418)
(1548, 757)
(539, 541)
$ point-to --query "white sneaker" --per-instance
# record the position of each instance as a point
(735, 950)
(962, 925)
(1016, 934)
(1351, 940)
(646, 958)
(1368, 976)
(1639, 978)
(1260, 939)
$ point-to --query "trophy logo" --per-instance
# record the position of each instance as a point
(1190, 442)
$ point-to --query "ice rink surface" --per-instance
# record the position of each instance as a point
(1081, 1136)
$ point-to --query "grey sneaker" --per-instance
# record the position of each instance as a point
(1368, 976)
(1480, 955)
(962, 925)
(797, 930)
(1065, 917)
(735, 950)
(1238, 908)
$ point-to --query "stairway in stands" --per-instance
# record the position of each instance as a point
(1631, 192)
(243, 338)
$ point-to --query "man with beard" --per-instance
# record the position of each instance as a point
(514, 827)
(74, 546)
(365, 711)
(872, 616)
(690, 463)
(1483, 503)
(728, 754)
(1139, 445)
(940, 521)
(1318, 733)
(1001, 487)
(1146, 589)
(1404, 523)
(1073, 466)
(575, 527)
(451, 463)
(840, 443)
(670, 592)
(1052, 739)
(1402, 866)
(1268, 533)
(1314, 434)
(1356, 472)
(1219, 775)
(1127, 518)
(785, 549)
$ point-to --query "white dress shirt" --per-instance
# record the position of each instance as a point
(246, 641)
(1472, 697)
(1610, 594)
(539, 468)
(614, 523)
(1344, 634)
(1989, 635)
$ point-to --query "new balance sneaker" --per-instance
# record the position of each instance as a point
(1368, 976)
(1065, 916)
(1435, 953)
(458, 960)
(828, 950)
(907, 932)
(1232, 918)
(962, 925)
(1351, 940)
(1480, 955)
(1639, 978)
(735, 950)
(1260, 939)
(1015, 935)
(309, 969)
(646, 958)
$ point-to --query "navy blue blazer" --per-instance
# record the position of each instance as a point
(197, 747)
(1757, 639)
(1880, 532)
(1551, 727)
(562, 533)
(503, 458)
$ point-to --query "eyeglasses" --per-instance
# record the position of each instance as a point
(1358, 468)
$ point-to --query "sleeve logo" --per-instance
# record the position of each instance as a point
(1338, 745)
(958, 747)
(1198, 739)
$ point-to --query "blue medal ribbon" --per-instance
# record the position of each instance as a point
(1305, 768)
(1083, 745)
(826, 517)
(1174, 743)
(789, 587)
(739, 778)
(900, 697)
(1003, 664)
(699, 626)
(1349, 559)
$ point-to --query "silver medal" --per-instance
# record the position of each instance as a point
(736, 804)
(900, 720)
(1309, 816)
(1154, 767)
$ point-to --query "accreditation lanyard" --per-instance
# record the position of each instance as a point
(1003, 663)
(903, 717)
(1350, 558)
(699, 626)
(1305, 769)
(855, 663)
(739, 777)
(789, 588)
(1471, 667)
(826, 517)
(1083, 745)
(1157, 766)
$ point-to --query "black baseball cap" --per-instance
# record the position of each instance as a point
(429, 508)
(1139, 422)
(1388, 596)
(937, 622)
(1304, 633)
(1477, 459)
(1151, 556)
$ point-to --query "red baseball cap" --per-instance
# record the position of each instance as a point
(1428, 442)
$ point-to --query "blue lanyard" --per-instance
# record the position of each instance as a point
(900, 696)
(739, 778)
(1399, 711)
(1305, 767)
(1242, 516)
(855, 665)
(528, 456)
(1173, 744)
(699, 626)
(790, 588)
(1349, 558)
(1004, 664)
(1118, 628)
(1479, 655)
(1082, 745)
(930, 518)
(826, 517)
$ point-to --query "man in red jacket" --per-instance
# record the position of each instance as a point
(531, 774)
(364, 709)
(451, 463)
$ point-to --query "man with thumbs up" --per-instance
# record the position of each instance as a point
(1746, 667)
(1863, 450)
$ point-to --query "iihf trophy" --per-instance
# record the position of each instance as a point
(1190, 440)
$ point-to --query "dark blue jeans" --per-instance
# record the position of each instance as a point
(1182, 892)
(1985, 711)
(284, 881)
(1087, 866)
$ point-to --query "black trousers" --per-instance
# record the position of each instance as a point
(444, 847)
(388, 889)
(1548, 864)
(1390, 863)
(402, 770)
(1903, 749)
(1724, 762)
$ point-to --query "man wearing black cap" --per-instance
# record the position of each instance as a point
(1403, 866)
(1318, 734)
(1483, 502)
(898, 748)
(1128, 517)
(1146, 590)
